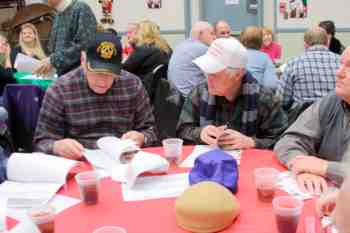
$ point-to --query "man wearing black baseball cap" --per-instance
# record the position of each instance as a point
(97, 99)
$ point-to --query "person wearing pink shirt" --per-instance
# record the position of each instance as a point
(270, 47)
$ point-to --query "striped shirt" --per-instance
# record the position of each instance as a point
(308, 77)
(71, 109)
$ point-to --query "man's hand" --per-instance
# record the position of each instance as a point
(44, 68)
(232, 139)
(308, 164)
(210, 133)
(68, 148)
(325, 205)
(138, 137)
(311, 183)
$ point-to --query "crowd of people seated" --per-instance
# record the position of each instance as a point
(229, 86)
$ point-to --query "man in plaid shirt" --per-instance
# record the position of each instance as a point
(311, 75)
(231, 110)
(95, 100)
(74, 26)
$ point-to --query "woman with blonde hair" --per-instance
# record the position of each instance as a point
(151, 50)
(29, 43)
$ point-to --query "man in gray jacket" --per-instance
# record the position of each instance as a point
(317, 146)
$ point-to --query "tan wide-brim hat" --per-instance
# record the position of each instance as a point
(206, 207)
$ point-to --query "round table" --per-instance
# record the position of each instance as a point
(158, 215)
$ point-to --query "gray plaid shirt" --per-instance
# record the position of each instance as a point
(308, 77)
(71, 33)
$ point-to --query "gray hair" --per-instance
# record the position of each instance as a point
(198, 28)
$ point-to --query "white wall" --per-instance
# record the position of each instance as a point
(171, 17)
(292, 43)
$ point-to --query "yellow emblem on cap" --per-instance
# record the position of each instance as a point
(106, 50)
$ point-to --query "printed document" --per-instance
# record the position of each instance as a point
(154, 187)
(201, 149)
(33, 179)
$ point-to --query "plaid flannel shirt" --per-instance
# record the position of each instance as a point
(270, 122)
(308, 77)
(71, 109)
(72, 31)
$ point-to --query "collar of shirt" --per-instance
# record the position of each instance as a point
(317, 48)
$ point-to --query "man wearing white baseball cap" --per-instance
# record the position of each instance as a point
(231, 109)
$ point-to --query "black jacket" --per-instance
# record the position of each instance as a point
(144, 59)
(6, 76)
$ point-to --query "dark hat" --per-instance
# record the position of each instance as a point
(105, 54)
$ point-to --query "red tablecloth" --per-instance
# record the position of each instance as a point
(158, 216)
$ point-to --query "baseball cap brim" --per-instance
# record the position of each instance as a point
(208, 64)
(102, 67)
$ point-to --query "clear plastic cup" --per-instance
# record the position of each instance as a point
(43, 217)
(172, 149)
(265, 182)
(287, 210)
(110, 229)
(88, 183)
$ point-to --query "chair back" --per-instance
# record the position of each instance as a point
(167, 105)
(23, 102)
(151, 80)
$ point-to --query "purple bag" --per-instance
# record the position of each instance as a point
(216, 166)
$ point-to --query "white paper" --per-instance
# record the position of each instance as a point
(28, 2)
(286, 181)
(26, 195)
(38, 167)
(24, 63)
(145, 162)
(232, 2)
(115, 147)
(142, 162)
(3, 206)
(25, 226)
(58, 202)
(33, 179)
(154, 187)
(99, 159)
(106, 165)
(201, 149)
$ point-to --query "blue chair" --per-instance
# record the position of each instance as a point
(23, 102)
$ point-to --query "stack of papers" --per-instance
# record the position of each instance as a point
(58, 202)
(33, 179)
(154, 187)
(108, 158)
(287, 182)
(201, 149)
(24, 63)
